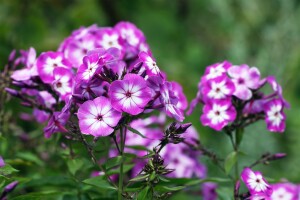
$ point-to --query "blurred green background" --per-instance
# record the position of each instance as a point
(185, 37)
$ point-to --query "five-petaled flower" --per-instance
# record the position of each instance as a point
(130, 95)
(218, 114)
(97, 117)
(275, 118)
(255, 182)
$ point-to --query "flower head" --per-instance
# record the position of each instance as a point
(255, 182)
(218, 114)
(244, 79)
(130, 95)
(97, 117)
(275, 118)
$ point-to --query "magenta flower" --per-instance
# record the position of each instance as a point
(275, 117)
(28, 58)
(149, 63)
(178, 92)
(97, 117)
(130, 95)
(260, 196)
(217, 114)
(216, 70)
(284, 191)
(218, 88)
(244, 79)
(109, 38)
(63, 81)
(255, 182)
(56, 123)
(277, 90)
(47, 62)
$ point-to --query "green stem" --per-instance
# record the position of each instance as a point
(120, 188)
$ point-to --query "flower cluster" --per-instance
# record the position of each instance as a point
(227, 89)
(100, 74)
(259, 188)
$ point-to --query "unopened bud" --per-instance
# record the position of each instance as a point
(12, 92)
(10, 187)
(2, 163)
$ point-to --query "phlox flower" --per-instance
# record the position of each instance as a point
(209, 191)
(284, 191)
(28, 58)
(47, 62)
(244, 79)
(275, 117)
(97, 117)
(63, 81)
(255, 182)
(109, 38)
(217, 114)
(218, 88)
(149, 63)
(216, 70)
(56, 123)
(130, 95)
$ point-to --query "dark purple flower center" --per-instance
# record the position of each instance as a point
(154, 64)
(276, 114)
(99, 118)
(241, 81)
(128, 94)
(218, 90)
(110, 43)
(217, 112)
(84, 51)
(257, 181)
(55, 65)
(176, 161)
(58, 85)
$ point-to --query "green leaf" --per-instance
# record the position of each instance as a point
(112, 162)
(230, 161)
(136, 132)
(100, 182)
(126, 168)
(168, 189)
(163, 179)
(239, 136)
(7, 170)
(143, 194)
(30, 157)
(74, 165)
(137, 147)
(139, 178)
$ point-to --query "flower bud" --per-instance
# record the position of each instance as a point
(10, 187)
(12, 92)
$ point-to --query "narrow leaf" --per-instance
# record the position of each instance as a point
(230, 161)
(136, 132)
(99, 182)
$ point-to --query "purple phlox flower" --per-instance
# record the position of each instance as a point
(277, 90)
(56, 123)
(63, 81)
(245, 79)
(108, 38)
(89, 90)
(275, 117)
(130, 95)
(2, 163)
(209, 191)
(97, 117)
(40, 115)
(175, 159)
(218, 88)
(284, 191)
(76, 49)
(29, 60)
(255, 182)
(170, 101)
(130, 33)
(217, 114)
(215, 70)
(94, 60)
(149, 63)
(178, 92)
(145, 48)
(131, 38)
(47, 62)
(45, 98)
(255, 106)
